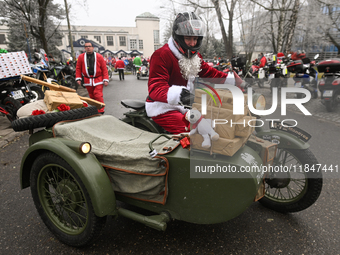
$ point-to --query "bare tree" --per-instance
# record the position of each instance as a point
(220, 6)
(331, 20)
(292, 25)
(40, 16)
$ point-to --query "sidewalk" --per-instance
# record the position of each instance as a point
(7, 134)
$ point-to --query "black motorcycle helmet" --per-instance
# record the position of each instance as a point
(188, 24)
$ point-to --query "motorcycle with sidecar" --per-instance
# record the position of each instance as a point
(81, 163)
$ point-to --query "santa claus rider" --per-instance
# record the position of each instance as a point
(173, 69)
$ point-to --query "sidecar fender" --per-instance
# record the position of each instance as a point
(86, 166)
(283, 139)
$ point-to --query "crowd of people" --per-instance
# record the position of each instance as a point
(129, 62)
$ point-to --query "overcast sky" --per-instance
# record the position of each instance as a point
(110, 12)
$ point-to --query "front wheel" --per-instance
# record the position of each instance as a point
(296, 186)
(11, 105)
(71, 83)
(63, 202)
(37, 94)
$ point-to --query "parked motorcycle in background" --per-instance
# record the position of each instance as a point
(329, 84)
(61, 73)
(109, 70)
(239, 65)
(143, 71)
(255, 75)
(305, 75)
(278, 72)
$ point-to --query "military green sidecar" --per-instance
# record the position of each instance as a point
(78, 169)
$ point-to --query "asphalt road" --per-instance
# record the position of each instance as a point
(256, 231)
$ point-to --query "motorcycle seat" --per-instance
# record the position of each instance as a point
(133, 104)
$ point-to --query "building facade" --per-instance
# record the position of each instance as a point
(143, 39)
(120, 41)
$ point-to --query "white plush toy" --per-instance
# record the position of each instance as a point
(201, 126)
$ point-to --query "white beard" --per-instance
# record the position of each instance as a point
(190, 67)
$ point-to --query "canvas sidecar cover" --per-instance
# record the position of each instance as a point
(123, 151)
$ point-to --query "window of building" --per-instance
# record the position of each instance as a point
(109, 40)
(122, 41)
(2, 39)
(156, 36)
(133, 44)
(140, 44)
(98, 38)
(84, 36)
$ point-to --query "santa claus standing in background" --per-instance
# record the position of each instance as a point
(92, 67)
(173, 69)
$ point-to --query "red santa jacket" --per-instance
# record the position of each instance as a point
(166, 81)
(100, 71)
(263, 62)
(120, 64)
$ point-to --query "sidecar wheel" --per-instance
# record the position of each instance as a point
(298, 188)
(49, 119)
(63, 202)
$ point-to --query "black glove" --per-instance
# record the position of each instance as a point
(186, 97)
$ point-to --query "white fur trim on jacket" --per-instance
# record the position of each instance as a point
(174, 94)
(230, 79)
(173, 48)
(154, 109)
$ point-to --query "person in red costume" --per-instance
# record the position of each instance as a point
(92, 67)
(263, 60)
(120, 66)
(173, 69)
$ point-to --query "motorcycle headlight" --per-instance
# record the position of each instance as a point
(259, 102)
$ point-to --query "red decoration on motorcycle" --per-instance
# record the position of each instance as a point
(185, 142)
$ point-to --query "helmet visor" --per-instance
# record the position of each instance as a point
(191, 28)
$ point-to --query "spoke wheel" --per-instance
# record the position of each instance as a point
(63, 202)
(294, 188)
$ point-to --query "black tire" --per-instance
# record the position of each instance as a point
(330, 105)
(37, 93)
(286, 194)
(49, 119)
(63, 202)
(71, 82)
(11, 105)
